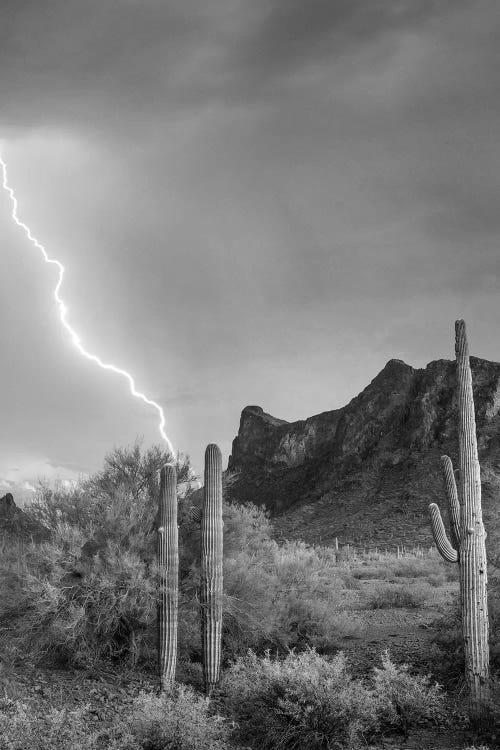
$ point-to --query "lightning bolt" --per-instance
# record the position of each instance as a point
(63, 313)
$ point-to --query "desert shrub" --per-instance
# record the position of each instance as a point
(246, 527)
(413, 567)
(368, 572)
(303, 701)
(248, 584)
(56, 503)
(178, 720)
(436, 579)
(90, 592)
(339, 626)
(428, 567)
(407, 699)
(282, 596)
(307, 700)
(22, 727)
(276, 596)
(75, 617)
(446, 654)
(93, 504)
(392, 596)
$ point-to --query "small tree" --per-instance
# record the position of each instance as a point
(136, 470)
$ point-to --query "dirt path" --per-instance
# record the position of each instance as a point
(407, 634)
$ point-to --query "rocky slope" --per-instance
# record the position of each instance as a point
(16, 523)
(366, 473)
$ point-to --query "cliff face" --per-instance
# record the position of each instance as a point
(367, 471)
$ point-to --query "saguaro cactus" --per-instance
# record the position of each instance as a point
(468, 534)
(211, 568)
(168, 564)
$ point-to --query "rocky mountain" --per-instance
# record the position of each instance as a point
(366, 473)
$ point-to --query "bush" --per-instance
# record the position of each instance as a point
(436, 579)
(180, 720)
(303, 701)
(386, 597)
(408, 699)
(89, 593)
(79, 613)
(309, 701)
(368, 573)
(282, 596)
(21, 728)
(414, 567)
(446, 654)
(275, 596)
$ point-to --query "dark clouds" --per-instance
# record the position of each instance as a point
(256, 202)
(87, 63)
(292, 34)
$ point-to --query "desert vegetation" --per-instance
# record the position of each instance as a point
(150, 615)
(297, 670)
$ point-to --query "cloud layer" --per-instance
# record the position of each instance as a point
(255, 202)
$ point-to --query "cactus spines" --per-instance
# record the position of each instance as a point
(468, 534)
(211, 568)
(168, 565)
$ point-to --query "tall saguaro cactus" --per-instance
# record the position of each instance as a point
(211, 568)
(168, 564)
(468, 534)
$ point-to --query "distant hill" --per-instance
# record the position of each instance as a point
(19, 491)
(366, 473)
(16, 523)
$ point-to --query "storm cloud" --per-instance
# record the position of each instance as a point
(256, 202)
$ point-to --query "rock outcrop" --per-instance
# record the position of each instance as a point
(16, 523)
(367, 472)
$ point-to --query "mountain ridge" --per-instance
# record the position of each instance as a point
(353, 472)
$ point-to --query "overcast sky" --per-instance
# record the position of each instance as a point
(256, 202)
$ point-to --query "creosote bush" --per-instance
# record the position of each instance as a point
(176, 720)
(22, 727)
(310, 701)
(391, 596)
(408, 698)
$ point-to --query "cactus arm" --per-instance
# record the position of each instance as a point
(211, 568)
(445, 549)
(168, 566)
(450, 487)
